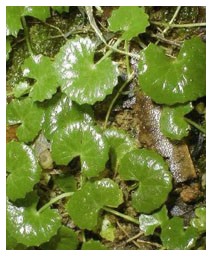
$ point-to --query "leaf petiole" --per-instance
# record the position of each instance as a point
(199, 127)
(124, 216)
(187, 25)
(54, 200)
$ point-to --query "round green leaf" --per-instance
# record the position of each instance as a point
(85, 204)
(84, 140)
(28, 114)
(28, 226)
(66, 239)
(108, 230)
(199, 222)
(155, 181)
(14, 13)
(60, 111)
(13, 19)
(130, 20)
(172, 122)
(23, 168)
(148, 223)
(41, 68)
(81, 79)
(174, 237)
(93, 245)
(120, 143)
(169, 81)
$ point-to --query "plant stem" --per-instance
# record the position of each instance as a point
(199, 127)
(54, 200)
(124, 216)
(115, 98)
(188, 25)
(26, 33)
(126, 47)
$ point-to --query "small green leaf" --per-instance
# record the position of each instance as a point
(66, 239)
(28, 114)
(93, 245)
(66, 182)
(108, 230)
(169, 81)
(130, 20)
(41, 68)
(120, 143)
(151, 171)
(28, 226)
(21, 89)
(84, 140)
(85, 204)
(23, 168)
(174, 237)
(60, 111)
(13, 19)
(148, 223)
(200, 221)
(61, 9)
(172, 123)
(81, 79)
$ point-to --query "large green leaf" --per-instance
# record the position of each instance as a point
(172, 122)
(66, 239)
(93, 245)
(28, 114)
(60, 111)
(151, 171)
(21, 89)
(148, 223)
(169, 81)
(130, 20)
(84, 140)
(23, 168)
(120, 143)
(28, 226)
(174, 237)
(85, 204)
(41, 69)
(14, 13)
(81, 79)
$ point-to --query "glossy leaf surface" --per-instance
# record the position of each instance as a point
(28, 114)
(39, 12)
(108, 230)
(66, 239)
(172, 123)
(21, 89)
(174, 237)
(60, 111)
(93, 245)
(84, 140)
(26, 172)
(130, 20)
(199, 222)
(81, 79)
(169, 81)
(93, 197)
(151, 171)
(148, 223)
(120, 143)
(41, 69)
(28, 226)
